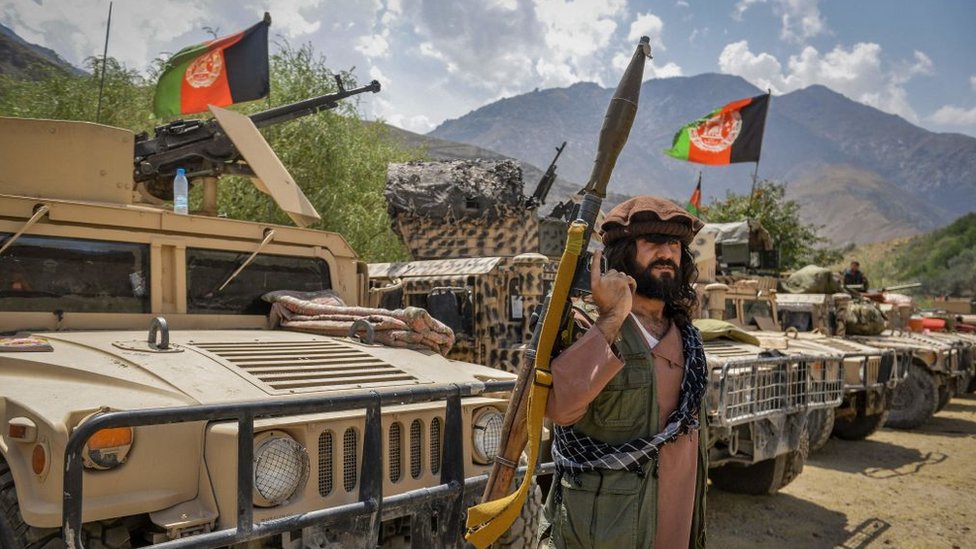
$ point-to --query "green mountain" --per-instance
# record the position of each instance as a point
(807, 131)
(944, 261)
(21, 59)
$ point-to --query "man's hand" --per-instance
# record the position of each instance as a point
(613, 295)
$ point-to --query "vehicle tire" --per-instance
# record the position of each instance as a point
(820, 424)
(525, 528)
(946, 392)
(764, 478)
(859, 427)
(972, 385)
(14, 533)
(915, 399)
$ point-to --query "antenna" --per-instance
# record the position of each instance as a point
(101, 85)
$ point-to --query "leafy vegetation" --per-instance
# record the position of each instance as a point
(338, 159)
(798, 243)
(944, 261)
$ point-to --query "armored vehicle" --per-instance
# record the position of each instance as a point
(758, 403)
(144, 397)
(924, 383)
(483, 260)
(870, 374)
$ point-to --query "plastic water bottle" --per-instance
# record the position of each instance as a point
(181, 192)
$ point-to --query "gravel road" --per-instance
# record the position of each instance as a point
(900, 489)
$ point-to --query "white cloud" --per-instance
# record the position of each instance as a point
(374, 45)
(291, 18)
(696, 33)
(742, 6)
(650, 25)
(682, 4)
(857, 72)
(950, 115)
(801, 20)
(972, 83)
(651, 70)
(763, 70)
(142, 31)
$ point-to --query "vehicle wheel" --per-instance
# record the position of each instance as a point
(14, 534)
(964, 383)
(946, 392)
(859, 427)
(526, 527)
(820, 423)
(915, 399)
(972, 385)
(764, 478)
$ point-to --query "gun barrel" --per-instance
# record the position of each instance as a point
(897, 287)
(548, 178)
(306, 107)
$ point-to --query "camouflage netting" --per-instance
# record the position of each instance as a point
(812, 280)
(454, 190)
(460, 209)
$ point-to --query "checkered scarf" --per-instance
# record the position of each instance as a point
(575, 453)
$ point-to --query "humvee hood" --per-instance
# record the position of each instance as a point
(208, 367)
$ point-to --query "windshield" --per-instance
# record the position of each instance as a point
(207, 270)
(752, 309)
(801, 320)
(39, 273)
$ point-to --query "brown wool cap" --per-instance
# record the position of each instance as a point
(649, 215)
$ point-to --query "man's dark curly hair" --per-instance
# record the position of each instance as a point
(621, 255)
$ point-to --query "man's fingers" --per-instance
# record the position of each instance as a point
(595, 267)
(632, 283)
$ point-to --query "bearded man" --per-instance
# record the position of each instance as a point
(626, 396)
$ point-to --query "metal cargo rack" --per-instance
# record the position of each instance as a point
(436, 511)
(755, 388)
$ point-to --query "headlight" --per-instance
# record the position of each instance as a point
(486, 433)
(280, 468)
(107, 448)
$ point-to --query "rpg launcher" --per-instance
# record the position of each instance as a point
(523, 419)
(202, 147)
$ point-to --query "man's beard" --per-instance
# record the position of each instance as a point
(666, 287)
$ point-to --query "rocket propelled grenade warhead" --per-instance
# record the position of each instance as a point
(618, 120)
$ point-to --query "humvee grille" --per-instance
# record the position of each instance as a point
(415, 442)
(349, 462)
(435, 445)
(302, 366)
(326, 461)
(396, 453)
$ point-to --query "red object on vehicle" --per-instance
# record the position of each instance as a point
(933, 324)
(965, 328)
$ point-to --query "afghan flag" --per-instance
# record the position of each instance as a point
(726, 135)
(220, 72)
(694, 203)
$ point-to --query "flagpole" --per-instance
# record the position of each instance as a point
(755, 173)
(101, 85)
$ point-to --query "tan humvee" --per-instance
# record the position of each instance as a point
(134, 343)
(870, 374)
(483, 259)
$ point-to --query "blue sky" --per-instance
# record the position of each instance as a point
(441, 59)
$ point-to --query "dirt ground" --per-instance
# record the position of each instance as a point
(896, 489)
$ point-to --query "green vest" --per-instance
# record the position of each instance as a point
(616, 509)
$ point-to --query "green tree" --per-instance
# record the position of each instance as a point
(337, 158)
(798, 242)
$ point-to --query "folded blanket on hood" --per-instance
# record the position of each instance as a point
(325, 313)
